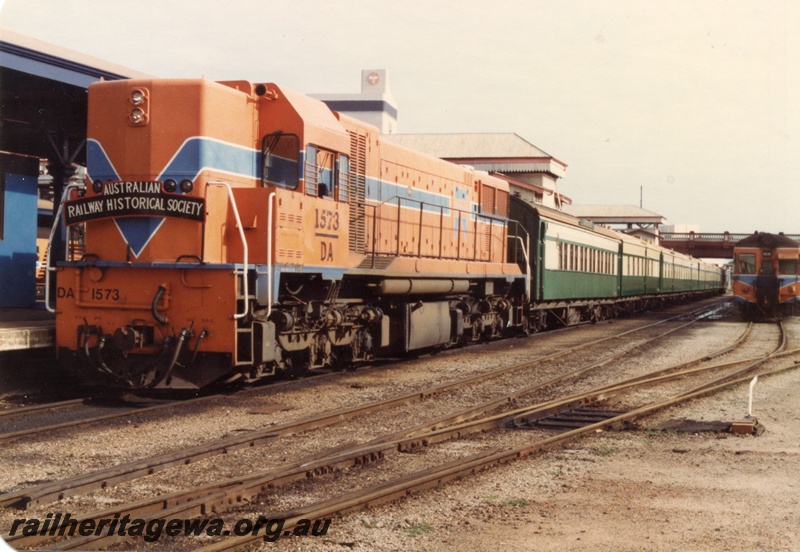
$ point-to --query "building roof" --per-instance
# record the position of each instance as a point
(615, 214)
(478, 144)
(503, 152)
(43, 94)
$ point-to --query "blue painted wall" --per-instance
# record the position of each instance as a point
(18, 240)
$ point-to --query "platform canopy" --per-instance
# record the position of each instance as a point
(43, 96)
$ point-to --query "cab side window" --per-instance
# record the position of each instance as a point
(280, 153)
(318, 172)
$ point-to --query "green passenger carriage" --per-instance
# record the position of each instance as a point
(582, 272)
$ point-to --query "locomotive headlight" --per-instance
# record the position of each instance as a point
(137, 97)
(187, 186)
(97, 186)
(170, 185)
(137, 116)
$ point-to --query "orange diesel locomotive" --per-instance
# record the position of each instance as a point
(766, 275)
(234, 230)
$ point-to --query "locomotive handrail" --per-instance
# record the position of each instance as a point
(270, 206)
(525, 246)
(56, 221)
(396, 201)
(401, 198)
(244, 245)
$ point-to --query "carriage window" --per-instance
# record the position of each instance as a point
(279, 153)
(788, 266)
(746, 263)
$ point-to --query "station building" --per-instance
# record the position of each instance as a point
(532, 174)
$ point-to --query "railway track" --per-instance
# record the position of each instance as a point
(36, 408)
(124, 414)
(439, 475)
(224, 494)
(129, 413)
(44, 493)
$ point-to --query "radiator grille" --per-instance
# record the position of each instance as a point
(358, 191)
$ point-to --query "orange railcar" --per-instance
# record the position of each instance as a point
(766, 276)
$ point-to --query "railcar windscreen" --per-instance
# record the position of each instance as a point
(746, 263)
(788, 266)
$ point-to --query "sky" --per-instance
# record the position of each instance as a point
(695, 105)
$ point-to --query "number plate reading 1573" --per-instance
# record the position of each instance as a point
(326, 219)
(96, 294)
(105, 294)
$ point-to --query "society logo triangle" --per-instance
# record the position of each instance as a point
(136, 231)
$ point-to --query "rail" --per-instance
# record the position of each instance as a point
(49, 491)
(220, 495)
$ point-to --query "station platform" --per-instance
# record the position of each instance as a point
(22, 329)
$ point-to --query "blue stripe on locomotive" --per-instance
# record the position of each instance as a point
(194, 155)
(198, 153)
